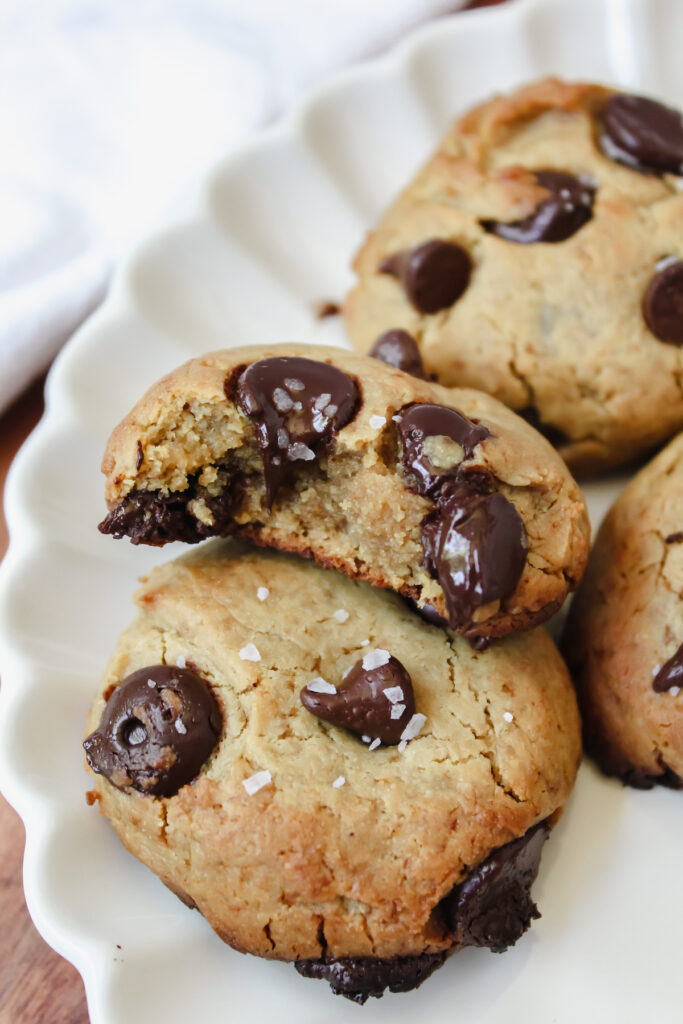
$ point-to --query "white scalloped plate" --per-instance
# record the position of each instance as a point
(272, 234)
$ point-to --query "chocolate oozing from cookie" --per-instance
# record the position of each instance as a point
(156, 518)
(435, 440)
(360, 977)
(375, 699)
(297, 405)
(643, 134)
(434, 275)
(663, 304)
(492, 907)
(474, 541)
(670, 674)
(399, 349)
(567, 208)
(157, 729)
(475, 545)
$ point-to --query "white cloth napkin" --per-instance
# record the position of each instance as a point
(110, 110)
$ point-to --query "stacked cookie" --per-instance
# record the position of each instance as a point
(336, 730)
(296, 749)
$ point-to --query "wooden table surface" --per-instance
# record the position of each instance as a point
(36, 985)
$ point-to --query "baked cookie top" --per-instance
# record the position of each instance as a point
(297, 837)
(443, 495)
(624, 638)
(538, 256)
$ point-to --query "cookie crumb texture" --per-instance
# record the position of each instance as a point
(625, 630)
(566, 198)
(282, 446)
(420, 851)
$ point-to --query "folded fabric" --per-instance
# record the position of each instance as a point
(115, 112)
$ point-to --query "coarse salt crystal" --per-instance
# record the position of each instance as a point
(297, 407)
(393, 694)
(377, 422)
(375, 659)
(180, 726)
(508, 716)
(262, 593)
(250, 652)
(339, 782)
(414, 726)
(319, 421)
(256, 782)
(365, 739)
(281, 400)
(320, 685)
(330, 410)
(294, 384)
(300, 451)
(365, 643)
(180, 661)
(374, 745)
(321, 401)
(151, 683)
(282, 438)
(341, 615)
(402, 746)
(345, 674)
(397, 710)
(674, 690)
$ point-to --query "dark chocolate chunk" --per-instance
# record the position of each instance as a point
(568, 207)
(297, 405)
(434, 441)
(375, 699)
(674, 538)
(670, 674)
(359, 977)
(157, 730)
(475, 545)
(156, 518)
(434, 275)
(642, 134)
(493, 906)
(663, 304)
(399, 349)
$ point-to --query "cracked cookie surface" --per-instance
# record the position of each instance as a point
(625, 630)
(198, 456)
(296, 840)
(556, 318)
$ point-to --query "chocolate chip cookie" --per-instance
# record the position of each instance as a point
(538, 256)
(443, 495)
(327, 777)
(624, 638)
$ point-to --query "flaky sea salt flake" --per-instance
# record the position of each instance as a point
(180, 661)
(674, 690)
(180, 726)
(250, 652)
(257, 781)
(508, 716)
(393, 694)
(341, 615)
(339, 782)
(262, 593)
(377, 422)
(300, 451)
(320, 685)
(397, 710)
(281, 400)
(375, 744)
(294, 384)
(375, 659)
(414, 726)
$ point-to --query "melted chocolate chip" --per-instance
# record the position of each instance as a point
(493, 906)
(435, 440)
(399, 349)
(152, 517)
(475, 545)
(663, 304)
(156, 731)
(670, 674)
(359, 977)
(434, 275)
(375, 699)
(642, 134)
(297, 405)
(568, 208)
